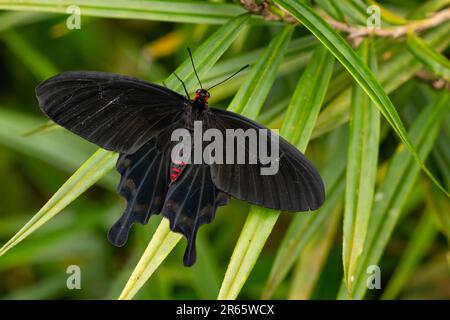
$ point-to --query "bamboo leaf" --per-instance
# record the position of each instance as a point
(205, 57)
(393, 191)
(162, 243)
(251, 96)
(314, 255)
(13, 19)
(430, 58)
(175, 11)
(304, 226)
(392, 75)
(302, 113)
(61, 150)
(90, 172)
(332, 9)
(362, 163)
(33, 59)
(418, 245)
(207, 54)
(365, 78)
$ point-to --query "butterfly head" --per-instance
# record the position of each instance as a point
(202, 96)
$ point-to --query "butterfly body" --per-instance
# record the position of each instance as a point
(136, 119)
(176, 169)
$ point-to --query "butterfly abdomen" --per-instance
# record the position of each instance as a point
(176, 169)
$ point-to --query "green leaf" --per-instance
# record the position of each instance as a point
(428, 7)
(207, 54)
(88, 174)
(314, 254)
(397, 184)
(362, 161)
(175, 11)
(59, 149)
(9, 20)
(429, 57)
(253, 92)
(296, 57)
(332, 9)
(302, 113)
(257, 228)
(360, 72)
(420, 242)
(439, 208)
(389, 16)
(305, 226)
(205, 57)
(34, 60)
(48, 126)
(162, 243)
(392, 75)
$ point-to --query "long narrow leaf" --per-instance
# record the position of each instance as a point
(433, 60)
(302, 114)
(89, 173)
(32, 58)
(304, 226)
(362, 163)
(392, 75)
(365, 78)
(420, 242)
(395, 188)
(314, 255)
(174, 11)
(253, 92)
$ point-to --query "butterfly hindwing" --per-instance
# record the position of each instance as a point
(192, 201)
(115, 112)
(143, 184)
(296, 186)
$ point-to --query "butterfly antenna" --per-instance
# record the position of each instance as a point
(228, 77)
(184, 86)
(193, 66)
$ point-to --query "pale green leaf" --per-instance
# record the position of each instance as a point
(360, 72)
(302, 113)
(420, 242)
(174, 11)
(397, 184)
(89, 173)
(362, 161)
(429, 57)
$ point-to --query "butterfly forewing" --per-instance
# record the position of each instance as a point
(116, 112)
(296, 186)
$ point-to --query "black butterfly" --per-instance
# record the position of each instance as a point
(136, 119)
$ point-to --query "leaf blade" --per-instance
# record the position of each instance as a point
(362, 161)
(205, 56)
(365, 78)
(90, 172)
(309, 94)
